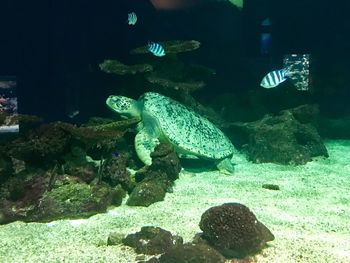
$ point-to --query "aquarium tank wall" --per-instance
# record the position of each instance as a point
(174, 131)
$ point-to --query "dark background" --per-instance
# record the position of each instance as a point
(54, 47)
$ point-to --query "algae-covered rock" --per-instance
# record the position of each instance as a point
(6, 167)
(76, 200)
(157, 179)
(165, 167)
(114, 172)
(281, 139)
(19, 196)
(44, 145)
(146, 193)
(188, 87)
(174, 77)
(116, 67)
(38, 197)
(152, 240)
(172, 47)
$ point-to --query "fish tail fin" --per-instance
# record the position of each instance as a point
(297, 70)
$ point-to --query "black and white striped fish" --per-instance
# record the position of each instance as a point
(274, 78)
(132, 18)
(156, 49)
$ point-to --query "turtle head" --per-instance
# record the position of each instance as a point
(126, 107)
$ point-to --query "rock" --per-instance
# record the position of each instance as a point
(152, 240)
(165, 164)
(115, 239)
(114, 171)
(306, 113)
(41, 146)
(19, 196)
(146, 193)
(234, 230)
(157, 179)
(6, 167)
(76, 200)
(281, 139)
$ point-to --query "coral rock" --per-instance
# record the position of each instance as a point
(146, 193)
(281, 139)
(234, 230)
(172, 47)
(156, 179)
(152, 240)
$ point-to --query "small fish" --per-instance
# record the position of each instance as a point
(132, 18)
(116, 154)
(156, 49)
(274, 78)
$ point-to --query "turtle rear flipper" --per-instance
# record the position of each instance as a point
(145, 142)
(226, 166)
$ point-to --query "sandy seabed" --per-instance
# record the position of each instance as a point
(309, 215)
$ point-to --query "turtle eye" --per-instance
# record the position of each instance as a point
(118, 102)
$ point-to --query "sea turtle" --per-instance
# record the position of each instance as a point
(166, 120)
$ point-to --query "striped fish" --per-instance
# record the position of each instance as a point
(273, 78)
(156, 49)
(132, 18)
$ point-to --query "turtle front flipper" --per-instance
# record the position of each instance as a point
(145, 142)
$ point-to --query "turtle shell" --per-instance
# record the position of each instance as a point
(186, 130)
